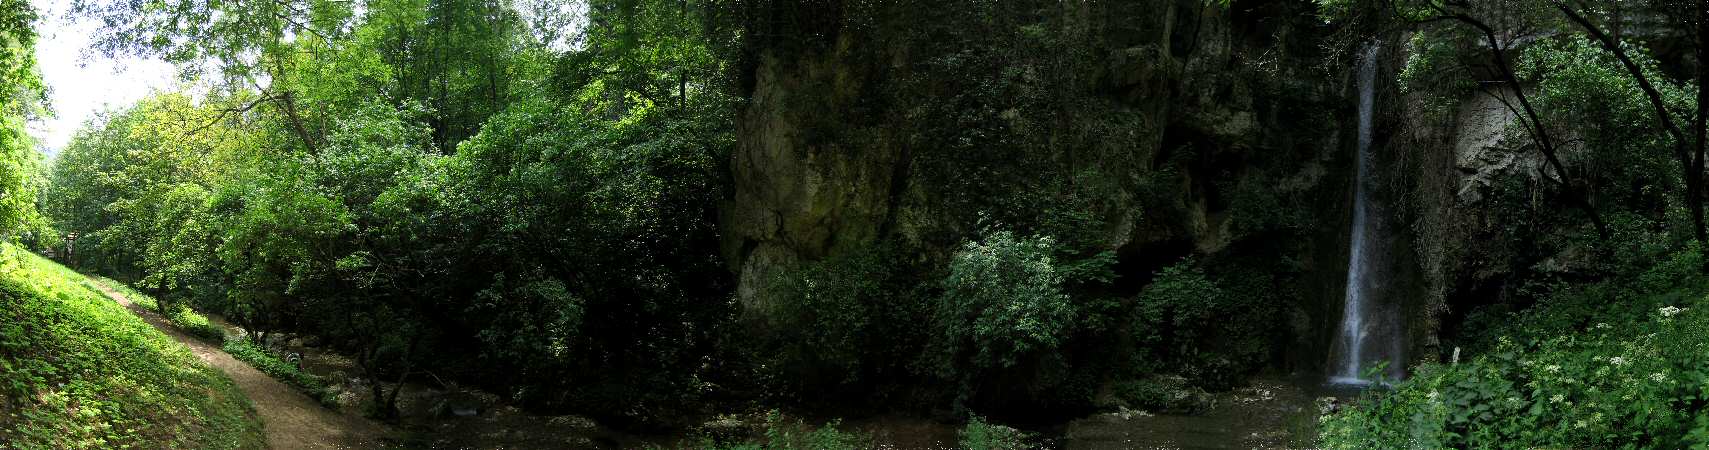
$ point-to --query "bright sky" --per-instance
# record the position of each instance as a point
(81, 83)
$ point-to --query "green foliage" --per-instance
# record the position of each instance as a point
(1432, 71)
(1578, 81)
(279, 245)
(275, 366)
(1002, 307)
(788, 434)
(1616, 364)
(1192, 324)
(21, 93)
(609, 221)
(181, 316)
(1002, 301)
(534, 319)
(134, 186)
(844, 321)
(428, 184)
(982, 435)
(79, 371)
(571, 226)
(457, 58)
(194, 324)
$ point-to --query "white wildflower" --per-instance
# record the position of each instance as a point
(1552, 368)
(1557, 398)
(1617, 360)
(1670, 311)
(1658, 377)
(1602, 326)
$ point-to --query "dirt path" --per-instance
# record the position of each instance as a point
(292, 420)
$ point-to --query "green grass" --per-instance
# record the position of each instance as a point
(982, 435)
(194, 324)
(79, 371)
(181, 316)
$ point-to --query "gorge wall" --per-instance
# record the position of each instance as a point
(1215, 131)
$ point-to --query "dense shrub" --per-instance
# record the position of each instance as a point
(194, 324)
(1002, 309)
(276, 367)
(1188, 323)
(982, 435)
(1569, 373)
(181, 316)
(786, 434)
(596, 253)
(544, 223)
(844, 322)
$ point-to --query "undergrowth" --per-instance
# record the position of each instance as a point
(1617, 364)
(279, 369)
(195, 324)
(79, 371)
(789, 434)
(182, 317)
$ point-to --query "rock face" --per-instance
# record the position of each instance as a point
(798, 197)
(1481, 154)
(1458, 162)
(1236, 135)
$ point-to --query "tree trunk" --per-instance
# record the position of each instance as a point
(288, 104)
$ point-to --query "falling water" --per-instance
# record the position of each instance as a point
(1360, 319)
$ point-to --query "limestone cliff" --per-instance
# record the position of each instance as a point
(1203, 129)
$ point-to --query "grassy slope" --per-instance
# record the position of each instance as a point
(79, 371)
(192, 323)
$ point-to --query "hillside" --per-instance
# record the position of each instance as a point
(79, 371)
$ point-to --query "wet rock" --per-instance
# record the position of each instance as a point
(457, 404)
(1170, 395)
(1328, 405)
(727, 428)
(573, 423)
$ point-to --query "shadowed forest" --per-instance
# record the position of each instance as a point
(847, 224)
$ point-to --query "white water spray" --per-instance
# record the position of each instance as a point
(1358, 321)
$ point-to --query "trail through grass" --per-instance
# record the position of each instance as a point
(80, 371)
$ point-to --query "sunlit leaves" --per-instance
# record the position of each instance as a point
(21, 94)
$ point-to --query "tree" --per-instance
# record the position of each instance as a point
(21, 93)
(1504, 25)
(246, 44)
(1517, 25)
(1688, 150)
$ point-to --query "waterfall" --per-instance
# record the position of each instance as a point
(1363, 320)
